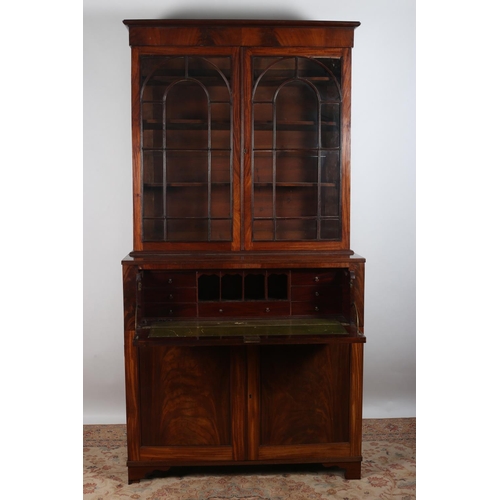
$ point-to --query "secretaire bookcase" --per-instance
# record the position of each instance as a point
(243, 303)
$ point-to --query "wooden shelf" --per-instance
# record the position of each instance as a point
(295, 184)
(194, 125)
(157, 185)
(291, 125)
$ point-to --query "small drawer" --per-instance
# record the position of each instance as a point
(303, 278)
(179, 310)
(310, 293)
(220, 309)
(309, 308)
(244, 309)
(323, 294)
(172, 295)
(168, 279)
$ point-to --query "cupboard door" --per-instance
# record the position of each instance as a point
(187, 122)
(190, 403)
(297, 112)
(299, 402)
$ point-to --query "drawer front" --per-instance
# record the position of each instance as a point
(308, 278)
(168, 280)
(172, 295)
(244, 309)
(310, 308)
(313, 293)
(176, 310)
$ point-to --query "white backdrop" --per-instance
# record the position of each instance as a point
(383, 185)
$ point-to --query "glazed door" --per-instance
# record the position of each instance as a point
(297, 112)
(186, 193)
(299, 402)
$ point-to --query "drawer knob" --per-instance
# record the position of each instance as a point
(268, 310)
(221, 310)
(316, 278)
(316, 308)
(316, 293)
(170, 281)
(171, 311)
(170, 296)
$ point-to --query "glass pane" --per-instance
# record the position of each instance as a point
(221, 201)
(221, 230)
(221, 125)
(152, 137)
(330, 125)
(221, 166)
(296, 201)
(187, 166)
(152, 162)
(324, 74)
(263, 167)
(263, 125)
(262, 201)
(330, 167)
(330, 229)
(187, 116)
(152, 113)
(272, 77)
(296, 229)
(261, 64)
(330, 201)
(297, 117)
(187, 201)
(152, 229)
(297, 167)
(187, 229)
(157, 73)
(263, 230)
(152, 202)
(213, 74)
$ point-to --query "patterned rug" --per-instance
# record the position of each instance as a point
(388, 471)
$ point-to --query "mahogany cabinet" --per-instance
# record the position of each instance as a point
(243, 302)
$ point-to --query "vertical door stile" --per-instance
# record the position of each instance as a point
(237, 155)
(247, 147)
(253, 400)
(345, 176)
(136, 148)
(239, 407)
(356, 398)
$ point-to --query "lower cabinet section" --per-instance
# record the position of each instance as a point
(244, 404)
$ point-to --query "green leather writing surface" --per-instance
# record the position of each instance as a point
(246, 328)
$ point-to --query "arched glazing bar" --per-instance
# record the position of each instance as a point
(187, 137)
(313, 141)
